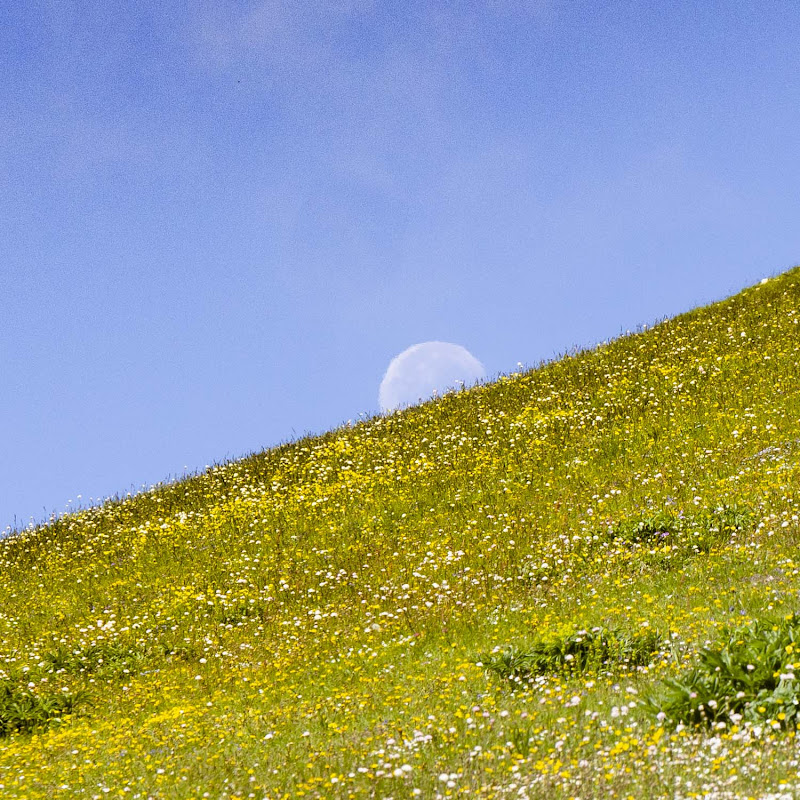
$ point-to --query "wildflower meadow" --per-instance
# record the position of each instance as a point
(577, 581)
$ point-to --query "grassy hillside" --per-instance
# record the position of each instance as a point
(486, 595)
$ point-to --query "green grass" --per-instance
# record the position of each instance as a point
(387, 610)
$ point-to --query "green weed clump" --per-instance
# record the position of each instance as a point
(22, 710)
(689, 533)
(748, 676)
(593, 651)
(104, 659)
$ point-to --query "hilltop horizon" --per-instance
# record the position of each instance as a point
(82, 502)
(223, 221)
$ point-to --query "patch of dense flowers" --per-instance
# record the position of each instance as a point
(304, 622)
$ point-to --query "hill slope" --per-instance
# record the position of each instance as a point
(472, 597)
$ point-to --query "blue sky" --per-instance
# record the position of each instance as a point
(220, 221)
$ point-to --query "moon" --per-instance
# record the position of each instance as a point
(424, 370)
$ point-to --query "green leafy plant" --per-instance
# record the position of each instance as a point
(668, 538)
(656, 527)
(580, 652)
(700, 530)
(23, 710)
(749, 675)
(104, 659)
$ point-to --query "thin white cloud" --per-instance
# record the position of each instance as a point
(292, 40)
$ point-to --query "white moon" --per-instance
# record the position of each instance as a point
(424, 370)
